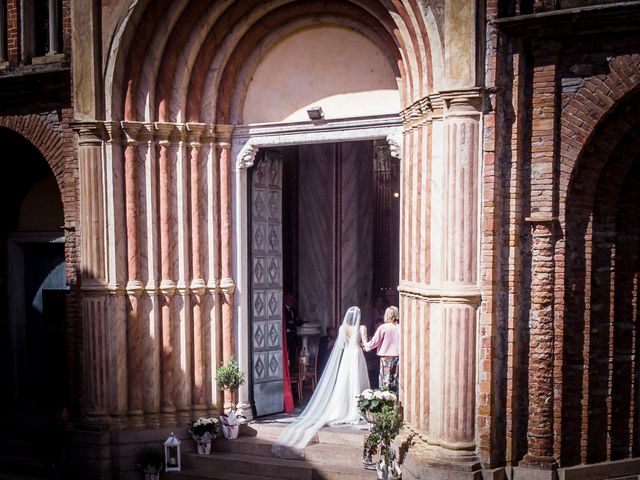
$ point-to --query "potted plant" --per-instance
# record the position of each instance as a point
(370, 402)
(386, 426)
(229, 378)
(204, 431)
(150, 460)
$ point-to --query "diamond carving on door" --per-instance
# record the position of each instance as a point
(266, 283)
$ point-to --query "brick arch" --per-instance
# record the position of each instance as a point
(48, 139)
(587, 132)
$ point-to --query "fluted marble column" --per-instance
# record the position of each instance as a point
(459, 296)
(440, 283)
(93, 265)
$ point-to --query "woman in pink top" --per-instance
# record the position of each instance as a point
(387, 341)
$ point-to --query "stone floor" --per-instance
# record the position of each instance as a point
(334, 453)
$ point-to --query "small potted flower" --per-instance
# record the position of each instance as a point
(203, 431)
(150, 461)
(229, 378)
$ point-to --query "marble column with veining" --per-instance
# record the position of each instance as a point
(167, 283)
(198, 285)
(134, 285)
(227, 284)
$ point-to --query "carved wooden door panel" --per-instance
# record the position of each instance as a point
(266, 283)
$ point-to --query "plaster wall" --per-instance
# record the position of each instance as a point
(335, 68)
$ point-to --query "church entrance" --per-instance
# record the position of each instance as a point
(32, 299)
(324, 223)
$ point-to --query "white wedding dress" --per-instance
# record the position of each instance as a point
(334, 400)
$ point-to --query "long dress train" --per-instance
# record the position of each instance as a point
(334, 400)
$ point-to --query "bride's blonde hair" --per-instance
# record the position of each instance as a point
(391, 315)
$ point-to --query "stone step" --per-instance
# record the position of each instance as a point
(223, 466)
(348, 435)
(317, 452)
(263, 467)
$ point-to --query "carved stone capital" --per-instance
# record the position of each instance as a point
(464, 101)
(195, 133)
(395, 145)
(168, 287)
(131, 131)
(198, 286)
(247, 156)
(164, 133)
(227, 286)
(135, 288)
(89, 133)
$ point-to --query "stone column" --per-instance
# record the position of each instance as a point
(93, 267)
(198, 285)
(446, 324)
(460, 294)
(541, 347)
(540, 431)
(167, 283)
(227, 284)
(134, 286)
(244, 160)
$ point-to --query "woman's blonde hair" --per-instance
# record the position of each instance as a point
(391, 315)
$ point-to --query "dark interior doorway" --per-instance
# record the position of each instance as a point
(340, 221)
(33, 340)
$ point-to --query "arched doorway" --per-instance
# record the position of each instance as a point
(601, 346)
(337, 212)
(32, 298)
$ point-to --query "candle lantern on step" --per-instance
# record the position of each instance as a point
(172, 459)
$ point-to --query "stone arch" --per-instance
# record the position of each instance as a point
(203, 42)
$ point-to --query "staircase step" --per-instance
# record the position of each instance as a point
(317, 452)
(348, 435)
(266, 467)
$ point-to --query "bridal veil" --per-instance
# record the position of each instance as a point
(333, 401)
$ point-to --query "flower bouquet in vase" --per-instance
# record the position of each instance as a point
(371, 402)
(204, 431)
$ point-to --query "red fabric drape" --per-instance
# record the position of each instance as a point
(288, 395)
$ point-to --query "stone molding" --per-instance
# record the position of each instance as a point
(132, 132)
(464, 102)
(468, 295)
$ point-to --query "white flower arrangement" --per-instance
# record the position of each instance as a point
(371, 401)
(204, 427)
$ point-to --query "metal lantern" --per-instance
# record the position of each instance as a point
(172, 459)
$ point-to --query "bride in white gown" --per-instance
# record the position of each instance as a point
(334, 400)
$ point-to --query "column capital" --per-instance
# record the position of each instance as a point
(131, 131)
(195, 133)
(468, 101)
(90, 133)
(247, 156)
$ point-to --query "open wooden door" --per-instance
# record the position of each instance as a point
(266, 283)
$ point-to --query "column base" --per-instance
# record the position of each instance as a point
(244, 408)
(428, 462)
(530, 473)
(536, 468)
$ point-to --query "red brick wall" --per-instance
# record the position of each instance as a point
(51, 134)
